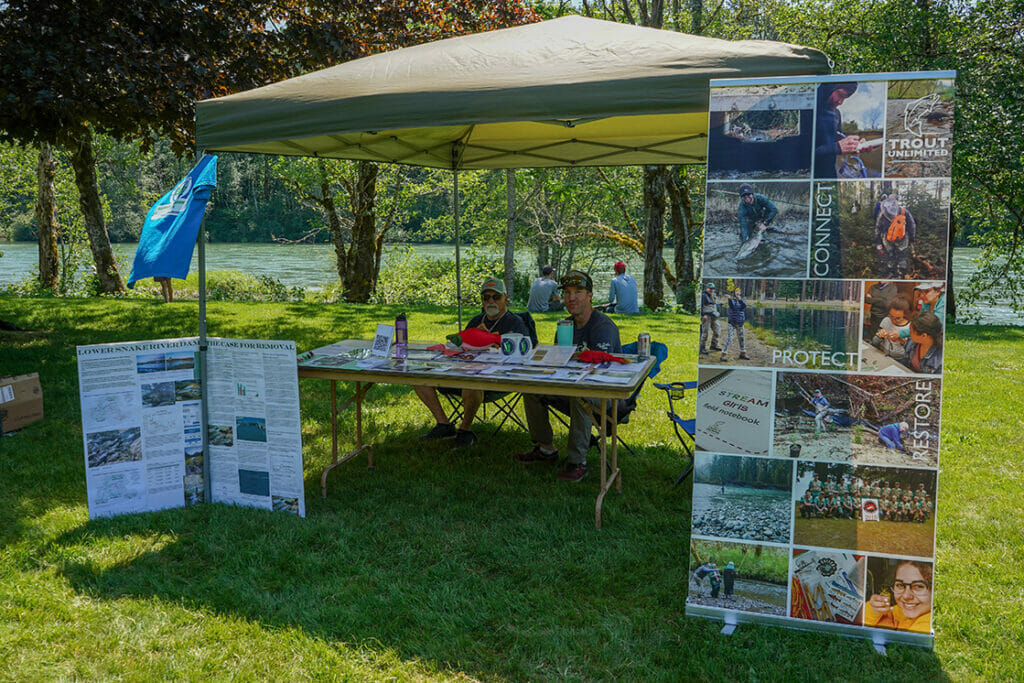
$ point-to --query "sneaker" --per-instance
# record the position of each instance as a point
(723, 358)
(464, 438)
(715, 347)
(440, 431)
(573, 471)
(536, 455)
(703, 352)
(744, 356)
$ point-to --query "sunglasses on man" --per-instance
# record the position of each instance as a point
(487, 296)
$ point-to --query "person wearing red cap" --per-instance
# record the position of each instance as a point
(623, 291)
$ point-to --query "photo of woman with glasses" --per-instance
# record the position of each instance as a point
(901, 595)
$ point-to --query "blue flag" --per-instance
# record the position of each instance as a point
(172, 225)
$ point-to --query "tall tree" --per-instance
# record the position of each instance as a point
(47, 224)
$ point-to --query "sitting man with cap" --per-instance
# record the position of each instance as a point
(495, 318)
(594, 330)
(623, 291)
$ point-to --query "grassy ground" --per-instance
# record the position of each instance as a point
(449, 565)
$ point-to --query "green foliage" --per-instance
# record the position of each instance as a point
(409, 278)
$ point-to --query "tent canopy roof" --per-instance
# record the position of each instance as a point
(564, 92)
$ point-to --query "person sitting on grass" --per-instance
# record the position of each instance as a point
(848, 507)
(495, 318)
(808, 506)
(593, 330)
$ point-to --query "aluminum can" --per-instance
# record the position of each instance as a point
(643, 346)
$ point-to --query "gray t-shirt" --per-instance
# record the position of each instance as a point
(540, 294)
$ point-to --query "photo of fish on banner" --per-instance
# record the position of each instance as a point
(889, 229)
(827, 586)
(760, 131)
(756, 229)
(857, 418)
(810, 324)
(745, 577)
(849, 122)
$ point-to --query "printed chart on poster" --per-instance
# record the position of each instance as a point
(142, 425)
(820, 366)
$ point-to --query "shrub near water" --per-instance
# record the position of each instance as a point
(417, 279)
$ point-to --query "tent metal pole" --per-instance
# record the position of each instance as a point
(203, 383)
(458, 263)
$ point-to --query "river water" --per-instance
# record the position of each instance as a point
(312, 265)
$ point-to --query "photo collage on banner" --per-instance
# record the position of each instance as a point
(820, 367)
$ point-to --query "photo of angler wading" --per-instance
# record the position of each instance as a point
(756, 229)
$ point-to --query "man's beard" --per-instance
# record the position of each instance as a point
(492, 310)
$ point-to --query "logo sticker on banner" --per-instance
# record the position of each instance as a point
(820, 367)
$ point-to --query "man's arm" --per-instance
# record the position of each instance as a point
(611, 291)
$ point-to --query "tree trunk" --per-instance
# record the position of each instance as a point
(92, 212)
(326, 201)
(655, 180)
(696, 17)
(510, 229)
(681, 213)
(47, 223)
(359, 277)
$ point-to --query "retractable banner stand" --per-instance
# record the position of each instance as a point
(820, 370)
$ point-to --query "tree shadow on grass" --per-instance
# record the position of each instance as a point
(465, 560)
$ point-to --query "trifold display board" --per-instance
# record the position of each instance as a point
(820, 371)
(142, 417)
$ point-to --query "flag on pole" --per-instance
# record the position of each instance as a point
(172, 225)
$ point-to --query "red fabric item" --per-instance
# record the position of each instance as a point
(591, 356)
(474, 336)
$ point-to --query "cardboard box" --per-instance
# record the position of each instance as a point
(21, 401)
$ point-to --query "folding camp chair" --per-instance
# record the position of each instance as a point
(660, 352)
(685, 429)
(503, 402)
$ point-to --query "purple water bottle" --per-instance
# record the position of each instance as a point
(401, 336)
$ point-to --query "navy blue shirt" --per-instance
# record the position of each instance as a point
(600, 334)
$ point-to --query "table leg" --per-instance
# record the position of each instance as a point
(361, 390)
(607, 477)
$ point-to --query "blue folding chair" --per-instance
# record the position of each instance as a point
(685, 429)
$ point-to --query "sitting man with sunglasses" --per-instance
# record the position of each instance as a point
(592, 329)
(494, 318)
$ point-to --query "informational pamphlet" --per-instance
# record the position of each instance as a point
(821, 353)
(142, 425)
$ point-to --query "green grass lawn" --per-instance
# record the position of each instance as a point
(450, 565)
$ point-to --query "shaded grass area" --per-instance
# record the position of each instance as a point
(448, 565)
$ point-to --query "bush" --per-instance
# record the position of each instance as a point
(422, 280)
(234, 285)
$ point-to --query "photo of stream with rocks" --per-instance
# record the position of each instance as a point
(756, 514)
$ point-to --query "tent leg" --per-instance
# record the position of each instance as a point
(203, 384)
(458, 263)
